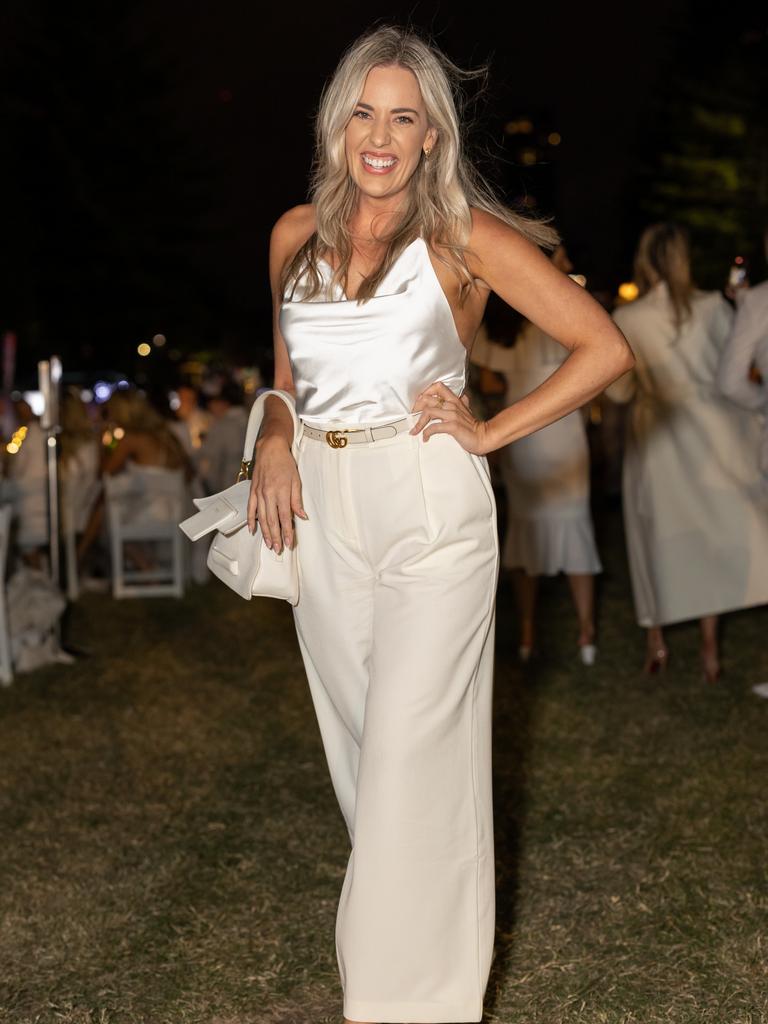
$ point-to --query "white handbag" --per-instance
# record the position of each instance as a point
(238, 557)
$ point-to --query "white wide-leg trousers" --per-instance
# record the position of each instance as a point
(398, 571)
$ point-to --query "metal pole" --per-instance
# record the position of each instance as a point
(49, 376)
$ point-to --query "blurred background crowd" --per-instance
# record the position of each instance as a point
(145, 168)
(688, 457)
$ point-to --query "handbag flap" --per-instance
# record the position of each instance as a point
(225, 511)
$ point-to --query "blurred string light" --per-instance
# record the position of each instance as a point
(110, 437)
(144, 349)
(528, 156)
(102, 392)
(554, 138)
(159, 340)
(520, 126)
(628, 291)
(86, 395)
(17, 440)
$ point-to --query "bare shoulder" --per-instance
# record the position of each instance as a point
(292, 230)
(491, 238)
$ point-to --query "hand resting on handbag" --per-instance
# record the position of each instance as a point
(238, 557)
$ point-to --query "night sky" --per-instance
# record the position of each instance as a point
(191, 125)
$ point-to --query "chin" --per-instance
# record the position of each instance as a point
(379, 188)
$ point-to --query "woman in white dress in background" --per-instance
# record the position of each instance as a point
(546, 478)
(695, 521)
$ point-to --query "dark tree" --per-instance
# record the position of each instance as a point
(710, 166)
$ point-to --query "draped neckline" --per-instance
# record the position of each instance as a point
(419, 238)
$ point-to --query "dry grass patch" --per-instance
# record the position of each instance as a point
(172, 853)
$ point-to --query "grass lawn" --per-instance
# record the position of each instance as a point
(172, 852)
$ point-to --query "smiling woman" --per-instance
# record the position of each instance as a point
(388, 114)
(379, 286)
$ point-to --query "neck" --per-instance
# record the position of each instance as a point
(375, 218)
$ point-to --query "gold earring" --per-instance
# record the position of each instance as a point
(426, 154)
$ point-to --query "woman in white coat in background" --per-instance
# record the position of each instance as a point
(743, 371)
(546, 478)
(696, 527)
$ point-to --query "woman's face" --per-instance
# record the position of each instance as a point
(387, 133)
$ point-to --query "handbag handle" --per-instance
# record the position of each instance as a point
(255, 420)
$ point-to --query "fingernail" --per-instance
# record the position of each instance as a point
(303, 514)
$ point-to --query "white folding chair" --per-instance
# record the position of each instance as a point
(144, 509)
(78, 494)
(6, 665)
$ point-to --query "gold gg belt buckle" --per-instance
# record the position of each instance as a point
(335, 440)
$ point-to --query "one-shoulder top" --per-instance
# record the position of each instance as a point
(366, 363)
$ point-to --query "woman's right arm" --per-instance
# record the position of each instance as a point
(738, 356)
(275, 495)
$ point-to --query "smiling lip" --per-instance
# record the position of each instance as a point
(378, 163)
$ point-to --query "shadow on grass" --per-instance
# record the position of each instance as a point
(514, 700)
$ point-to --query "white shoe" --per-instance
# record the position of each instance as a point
(761, 690)
(587, 654)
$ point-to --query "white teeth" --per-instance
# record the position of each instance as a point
(378, 162)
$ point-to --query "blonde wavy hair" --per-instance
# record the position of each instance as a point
(442, 190)
(76, 427)
(663, 254)
(131, 411)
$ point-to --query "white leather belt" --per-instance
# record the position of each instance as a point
(340, 437)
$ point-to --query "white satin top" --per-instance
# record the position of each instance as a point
(367, 363)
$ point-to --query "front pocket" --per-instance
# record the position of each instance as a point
(456, 485)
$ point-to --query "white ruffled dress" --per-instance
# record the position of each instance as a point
(546, 475)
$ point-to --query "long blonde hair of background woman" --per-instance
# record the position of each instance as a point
(663, 255)
(132, 411)
(442, 189)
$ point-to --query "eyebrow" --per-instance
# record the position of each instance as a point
(395, 110)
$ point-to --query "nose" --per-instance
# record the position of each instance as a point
(379, 132)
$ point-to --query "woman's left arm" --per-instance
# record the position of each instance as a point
(522, 276)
